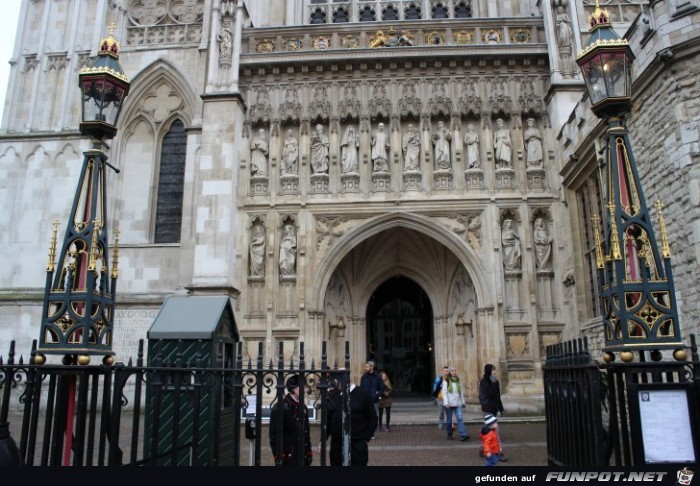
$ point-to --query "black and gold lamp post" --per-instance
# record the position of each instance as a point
(78, 310)
(635, 278)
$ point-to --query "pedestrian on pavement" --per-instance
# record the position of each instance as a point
(287, 431)
(385, 401)
(490, 397)
(489, 440)
(453, 401)
(363, 424)
(437, 394)
(372, 382)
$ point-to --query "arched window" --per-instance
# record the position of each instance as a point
(367, 14)
(440, 11)
(412, 12)
(390, 13)
(171, 185)
(340, 16)
(463, 10)
(318, 16)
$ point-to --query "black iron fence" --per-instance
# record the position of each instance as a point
(175, 410)
(593, 409)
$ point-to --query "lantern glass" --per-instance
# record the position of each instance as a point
(102, 100)
(607, 75)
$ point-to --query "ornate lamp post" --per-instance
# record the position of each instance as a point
(635, 278)
(78, 309)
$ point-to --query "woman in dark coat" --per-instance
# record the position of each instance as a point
(490, 392)
(490, 397)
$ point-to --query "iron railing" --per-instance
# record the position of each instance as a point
(174, 411)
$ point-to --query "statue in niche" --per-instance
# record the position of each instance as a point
(502, 145)
(225, 39)
(258, 156)
(256, 251)
(510, 243)
(471, 140)
(288, 251)
(543, 246)
(380, 149)
(290, 154)
(564, 39)
(533, 144)
(411, 148)
(348, 151)
(442, 139)
(319, 151)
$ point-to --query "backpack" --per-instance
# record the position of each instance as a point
(438, 389)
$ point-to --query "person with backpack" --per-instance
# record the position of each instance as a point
(437, 394)
(453, 401)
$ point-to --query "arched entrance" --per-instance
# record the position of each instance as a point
(400, 335)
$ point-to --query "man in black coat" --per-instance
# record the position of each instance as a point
(363, 424)
(294, 426)
(373, 383)
(490, 397)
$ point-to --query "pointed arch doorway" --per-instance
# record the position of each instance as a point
(400, 335)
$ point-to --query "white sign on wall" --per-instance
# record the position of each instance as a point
(665, 421)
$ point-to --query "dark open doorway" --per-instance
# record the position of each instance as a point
(400, 335)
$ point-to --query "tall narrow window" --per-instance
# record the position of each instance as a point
(589, 199)
(171, 185)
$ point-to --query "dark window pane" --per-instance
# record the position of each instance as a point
(367, 15)
(170, 185)
(340, 16)
(440, 12)
(412, 12)
(390, 13)
(463, 10)
(318, 16)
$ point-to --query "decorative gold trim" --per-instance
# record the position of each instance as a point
(293, 44)
(52, 247)
(464, 37)
(520, 36)
(603, 43)
(492, 36)
(265, 45)
(615, 242)
(321, 43)
(665, 248)
(350, 42)
(599, 261)
(115, 255)
(435, 38)
(104, 70)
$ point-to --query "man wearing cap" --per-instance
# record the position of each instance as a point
(287, 430)
(489, 440)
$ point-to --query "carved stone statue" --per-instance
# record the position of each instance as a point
(471, 140)
(564, 40)
(288, 251)
(474, 233)
(258, 155)
(256, 251)
(225, 39)
(510, 243)
(380, 149)
(502, 145)
(411, 148)
(319, 151)
(543, 246)
(348, 151)
(533, 144)
(441, 139)
(290, 154)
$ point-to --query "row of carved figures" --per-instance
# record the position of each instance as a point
(510, 244)
(381, 148)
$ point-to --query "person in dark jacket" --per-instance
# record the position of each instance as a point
(490, 397)
(363, 424)
(295, 422)
(373, 383)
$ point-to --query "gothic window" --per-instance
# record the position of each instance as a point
(390, 13)
(318, 16)
(412, 12)
(367, 14)
(463, 10)
(171, 185)
(440, 11)
(340, 16)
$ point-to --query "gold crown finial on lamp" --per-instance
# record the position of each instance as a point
(109, 45)
(599, 16)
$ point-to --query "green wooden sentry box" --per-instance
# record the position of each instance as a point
(188, 325)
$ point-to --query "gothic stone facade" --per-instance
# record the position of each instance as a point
(322, 159)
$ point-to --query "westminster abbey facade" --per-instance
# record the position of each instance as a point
(415, 177)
